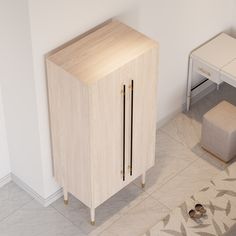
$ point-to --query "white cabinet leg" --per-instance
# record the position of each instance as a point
(65, 193)
(143, 179)
(92, 215)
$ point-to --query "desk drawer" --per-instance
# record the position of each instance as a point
(206, 71)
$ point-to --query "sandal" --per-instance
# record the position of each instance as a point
(194, 214)
(200, 208)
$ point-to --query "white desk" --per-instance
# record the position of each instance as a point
(215, 60)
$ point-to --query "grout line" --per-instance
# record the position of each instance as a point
(67, 218)
(160, 186)
(12, 213)
(163, 204)
(184, 145)
(191, 163)
(198, 156)
(170, 210)
(125, 213)
(175, 139)
(151, 226)
(149, 196)
(119, 214)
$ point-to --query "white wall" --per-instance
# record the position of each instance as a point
(18, 92)
(234, 19)
(179, 26)
(4, 155)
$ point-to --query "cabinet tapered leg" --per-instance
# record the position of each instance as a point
(65, 193)
(143, 180)
(92, 215)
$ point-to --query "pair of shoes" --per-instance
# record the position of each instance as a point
(198, 212)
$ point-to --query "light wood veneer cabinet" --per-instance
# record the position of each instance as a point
(102, 99)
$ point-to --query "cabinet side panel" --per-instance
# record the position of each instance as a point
(152, 73)
(69, 122)
(144, 113)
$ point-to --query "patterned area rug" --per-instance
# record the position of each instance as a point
(219, 199)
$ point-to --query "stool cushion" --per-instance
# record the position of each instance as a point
(219, 131)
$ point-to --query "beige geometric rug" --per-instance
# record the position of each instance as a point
(219, 199)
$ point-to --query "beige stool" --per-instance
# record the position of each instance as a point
(219, 131)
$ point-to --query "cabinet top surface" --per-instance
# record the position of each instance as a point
(102, 52)
(218, 51)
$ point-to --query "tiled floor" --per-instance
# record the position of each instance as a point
(181, 169)
(219, 199)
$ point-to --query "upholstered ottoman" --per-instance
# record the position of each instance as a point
(219, 131)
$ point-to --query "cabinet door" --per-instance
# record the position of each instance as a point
(143, 113)
(108, 124)
(122, 126)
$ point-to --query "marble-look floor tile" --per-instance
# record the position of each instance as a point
(213, 160)
(198, 109)
(184, 129)
(171, 158)
(36, 220)
(138, 219)
(187, 130)
(106, 213)
(11, 199)
(186, 183)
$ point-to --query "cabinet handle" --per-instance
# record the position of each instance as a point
(131, 128)
(123, 172)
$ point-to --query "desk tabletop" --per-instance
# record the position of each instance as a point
(218, 52)
(230, 68)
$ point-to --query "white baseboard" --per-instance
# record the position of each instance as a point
(5, 180)
(44, 201)
(198, 94)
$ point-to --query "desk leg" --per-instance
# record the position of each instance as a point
(189, 84)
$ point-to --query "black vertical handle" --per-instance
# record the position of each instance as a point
(123, 172)
(131, 131)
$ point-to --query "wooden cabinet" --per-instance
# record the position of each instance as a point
(102, 99)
